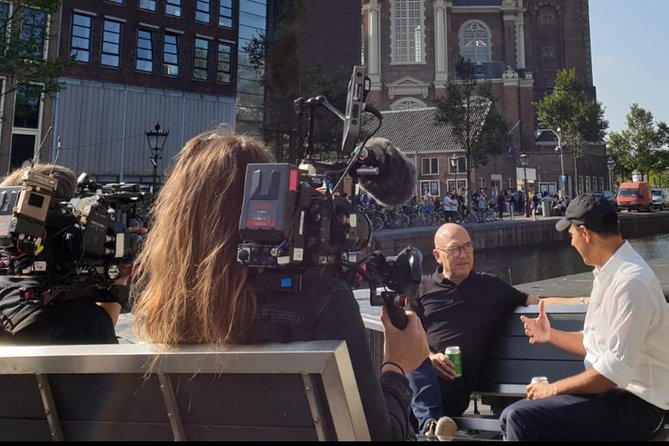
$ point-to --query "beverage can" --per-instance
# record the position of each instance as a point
(453, 353)
(539, 379)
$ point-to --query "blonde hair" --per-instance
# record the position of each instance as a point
(188, 286)
(67, 180)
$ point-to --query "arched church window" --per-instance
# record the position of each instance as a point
(475, 41)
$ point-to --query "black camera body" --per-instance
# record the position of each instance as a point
(293, 220)
(71, 245)
(290, 219)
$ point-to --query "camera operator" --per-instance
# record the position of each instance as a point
(65, 319)
(190, 289)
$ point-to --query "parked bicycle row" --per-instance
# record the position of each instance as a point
(423, 214)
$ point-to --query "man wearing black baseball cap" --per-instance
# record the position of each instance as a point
(624, 391)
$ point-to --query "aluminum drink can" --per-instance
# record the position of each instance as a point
(453, 353)
(539, 379)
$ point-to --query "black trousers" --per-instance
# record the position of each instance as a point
(616, 415)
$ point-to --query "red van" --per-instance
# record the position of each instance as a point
(634, 196)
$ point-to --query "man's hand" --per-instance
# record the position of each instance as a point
(537, 391)
(444, 367)
(538, 329)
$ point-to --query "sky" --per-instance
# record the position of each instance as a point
(630, 57)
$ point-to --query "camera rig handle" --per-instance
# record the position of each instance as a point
(394, 304)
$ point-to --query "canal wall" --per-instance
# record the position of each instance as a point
(518, 232)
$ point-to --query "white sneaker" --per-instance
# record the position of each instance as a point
(446, 429)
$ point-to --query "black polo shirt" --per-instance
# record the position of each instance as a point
(468, 315)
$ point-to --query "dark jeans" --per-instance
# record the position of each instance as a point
(616, 415)
(434, 397)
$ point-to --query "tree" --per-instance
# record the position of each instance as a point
(468, 107)
(285, 78)
(24, 26)
(580, 118)
(639, 146)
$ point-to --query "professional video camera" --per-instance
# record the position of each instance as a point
(295, 218)
(80, 245)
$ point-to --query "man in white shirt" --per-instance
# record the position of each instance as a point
(623, 394)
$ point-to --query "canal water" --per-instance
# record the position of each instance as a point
(539, 262)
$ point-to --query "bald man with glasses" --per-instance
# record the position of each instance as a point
(458, 306)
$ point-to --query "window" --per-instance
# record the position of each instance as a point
(482, 182)
(580, 185)
(511, 183)
(149, 5)
(407, 31)
(33, 30)
(587, 184)
(171, 54)
(475, 41)
(548, 52)
(118, 2)
(202, 8)
(431, 187)
(144, 60)
(407, 104)
(225, 14)
(80, 47)
(601, 183)
(173, 7)
(430, 166)
(200, 59)
(224, 63)
(4, 16)
(111, 43)
(26, 107)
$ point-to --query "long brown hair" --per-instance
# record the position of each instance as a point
(188, 285)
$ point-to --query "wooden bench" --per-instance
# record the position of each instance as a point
(297, 391)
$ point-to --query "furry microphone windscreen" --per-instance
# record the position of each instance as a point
(395, 183)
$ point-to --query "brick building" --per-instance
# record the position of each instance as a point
(517, 45)
(180, 63)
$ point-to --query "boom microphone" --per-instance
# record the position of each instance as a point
(392, 182)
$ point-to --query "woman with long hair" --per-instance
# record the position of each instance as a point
(189, 288)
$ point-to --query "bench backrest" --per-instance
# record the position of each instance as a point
(296, 391)
(513, 361)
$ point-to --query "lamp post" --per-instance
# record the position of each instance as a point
(523, 163)
(156, 139)
(558, 150)
(610, 164)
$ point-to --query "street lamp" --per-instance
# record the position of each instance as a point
(610, 164)
(523, 163)
(156, 139)
(558, 149)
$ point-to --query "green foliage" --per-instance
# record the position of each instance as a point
(568, 107)
(468, 107)
(24, 26)
(639, 145)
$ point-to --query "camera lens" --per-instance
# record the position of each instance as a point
(361, 231)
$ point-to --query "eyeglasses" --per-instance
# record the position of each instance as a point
(455, 251)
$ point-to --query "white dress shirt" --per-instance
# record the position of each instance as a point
(626, 329)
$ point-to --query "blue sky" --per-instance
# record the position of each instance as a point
(630, 57)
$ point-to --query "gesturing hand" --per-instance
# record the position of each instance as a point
(538, 329)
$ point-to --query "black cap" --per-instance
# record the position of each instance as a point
(593, 212)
